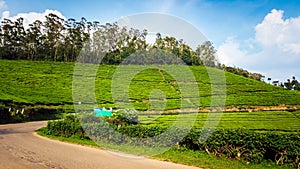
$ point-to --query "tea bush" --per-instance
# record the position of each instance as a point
(127, 116)
(240, 144)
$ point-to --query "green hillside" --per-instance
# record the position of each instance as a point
(50, 83)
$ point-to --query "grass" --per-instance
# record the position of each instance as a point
(75, 140)
(182, 156)
(203, 160)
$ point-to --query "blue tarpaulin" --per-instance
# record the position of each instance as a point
(102, 112)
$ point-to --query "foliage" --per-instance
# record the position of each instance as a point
(126, 116)
(50, 83)
(242, 72)
(202, 160)
(292, 85)
(248, 145)
(207, 52)
(67, 127)
(258, 121)
(57, 39)
(240, 144)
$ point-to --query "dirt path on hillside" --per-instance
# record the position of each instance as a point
(20, 148)
(242, 109)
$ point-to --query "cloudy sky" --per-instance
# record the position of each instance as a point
(258, 35)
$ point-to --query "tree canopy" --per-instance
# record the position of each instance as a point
(60, 40)
(57, 39)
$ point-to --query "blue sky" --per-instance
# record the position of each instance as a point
(232, 25)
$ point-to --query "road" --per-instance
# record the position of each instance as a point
(21, 148)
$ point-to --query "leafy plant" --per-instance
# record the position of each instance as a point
(127, 116)
(239, 144)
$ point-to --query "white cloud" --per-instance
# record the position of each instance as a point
(3, 4)
(5, 14)
(274, 31)
(229, 53)
(31, 16)
(279, 48)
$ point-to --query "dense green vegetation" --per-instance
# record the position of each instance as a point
(57, 39)
(258, 121)
(239, 144)
(182, 156)
(50, 83)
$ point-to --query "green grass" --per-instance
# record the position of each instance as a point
(50, 83)
(182, 156)
(261, 121)
(203, 160)
(75, 140)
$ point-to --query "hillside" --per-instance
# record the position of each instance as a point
(50, 83)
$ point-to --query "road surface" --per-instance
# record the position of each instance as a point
(20, 148)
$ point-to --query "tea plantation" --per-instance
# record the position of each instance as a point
(47, 87)
(50, 83)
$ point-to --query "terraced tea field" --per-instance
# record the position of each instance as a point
(50, 83)
(261, 121)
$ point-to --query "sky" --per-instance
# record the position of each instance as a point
(257, 35)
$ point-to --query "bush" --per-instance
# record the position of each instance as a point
(247, 145)
(240, 144)
(126, 116)
(67, 127)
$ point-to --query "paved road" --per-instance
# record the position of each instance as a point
(20, 148)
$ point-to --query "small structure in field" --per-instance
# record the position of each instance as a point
(100, 112)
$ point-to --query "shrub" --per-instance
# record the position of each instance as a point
(67, 127)
(240, 144)
(247, 145)
(127, 116)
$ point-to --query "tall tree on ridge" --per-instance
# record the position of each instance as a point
(54, 25)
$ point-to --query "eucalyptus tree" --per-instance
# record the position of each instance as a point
(54, 25)
(19, 35)
(159, 42)
(57, 39)
(171, 44)
(207, 52)
(34, 41)
(6, 39)
(185, 53)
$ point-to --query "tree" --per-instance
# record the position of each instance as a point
(207, 52)
(185, 54)
(295, 84)
(7, 39)
(34, 41)
(19, 38)
(275, 83)
(269, 79)
(288, 85)
(159, 43)
(292, 84)
(54, 26)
